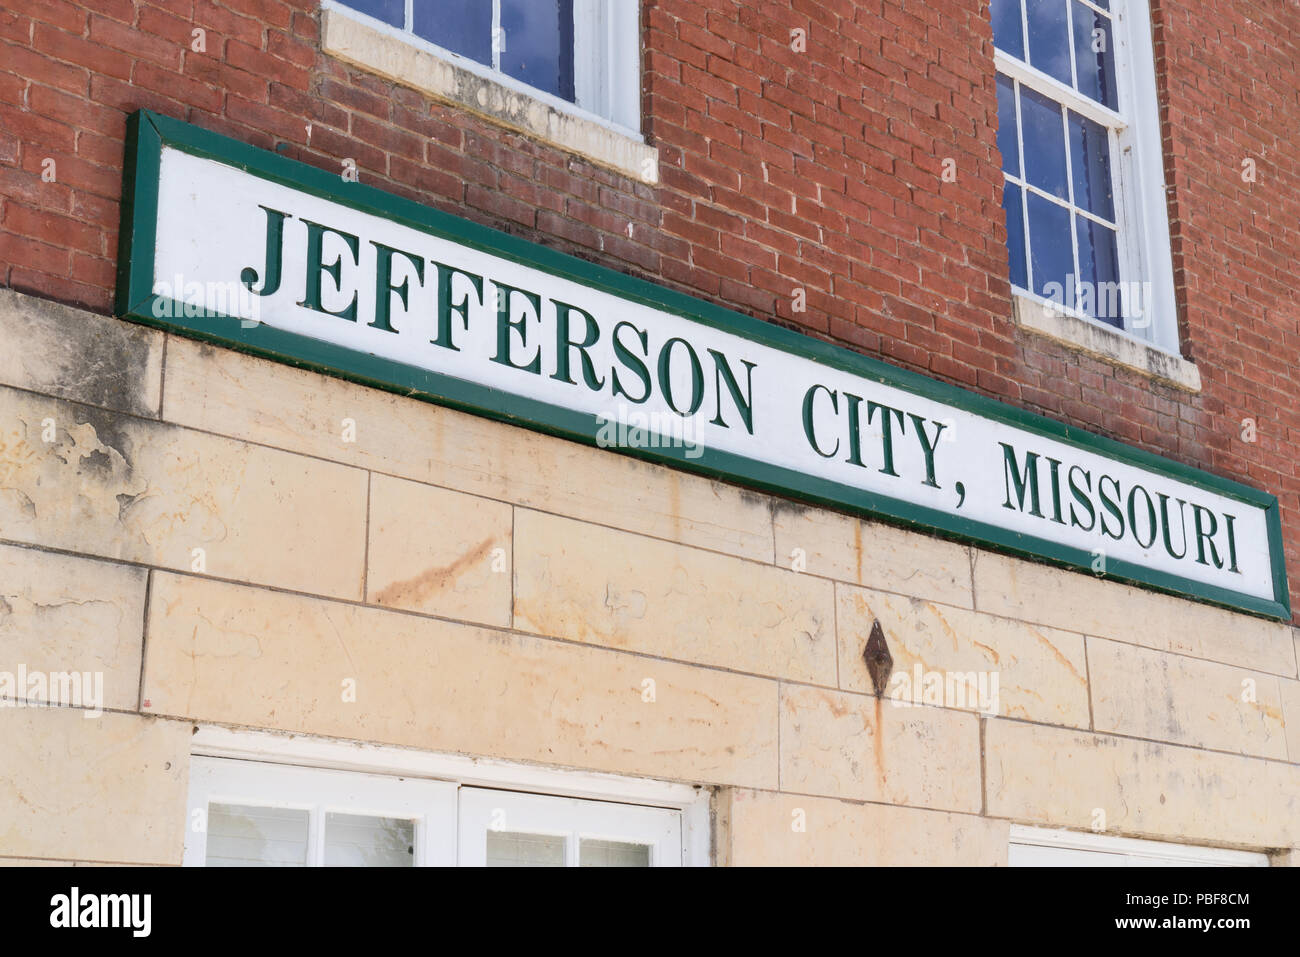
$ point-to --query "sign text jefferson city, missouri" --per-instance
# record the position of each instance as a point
(267, 255)
(544, 336)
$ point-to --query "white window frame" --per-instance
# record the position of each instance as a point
(1047, 847)
(1137, 171)
(323, 775)
(486, 809)
(320, 791)
(606, 60)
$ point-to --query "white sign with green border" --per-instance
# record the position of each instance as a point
(247, 248)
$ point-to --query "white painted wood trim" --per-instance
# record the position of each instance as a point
(407, 59)
(316, 752)
(570, 818)
(1126, 847)
(1137, 167)
(319, 791)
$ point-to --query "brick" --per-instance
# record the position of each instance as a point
(141, 46)
(28, 63)
(52, 229)
(79, 52)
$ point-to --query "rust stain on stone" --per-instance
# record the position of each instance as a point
(837, 710)
(675, 503)
(1069, 666)
(878, 734)
(414, 591)
(857, 546)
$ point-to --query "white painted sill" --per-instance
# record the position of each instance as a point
(1105, 343)
(442, 78)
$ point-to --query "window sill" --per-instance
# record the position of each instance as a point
(391, 57)
(1105, 343)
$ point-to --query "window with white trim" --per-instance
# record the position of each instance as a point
(582, 54)
(1078, 128)
(1047, 847)
(246, 813)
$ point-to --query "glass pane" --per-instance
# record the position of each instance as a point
(1090, 166)
(241, 836)
(1099, 295)
(1094, 55)
(1051, 251)
(1008, 141)
(1008, 34)
(390, 11)
(592, 853)
(517, 849)
(537, 44)
(1013, 205)
(1044, 134)
(461, 26)
(358, 840)
(1049, 38)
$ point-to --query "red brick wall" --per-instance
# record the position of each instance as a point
(780, 169)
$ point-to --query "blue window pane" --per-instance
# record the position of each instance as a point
(1094, 55)
(1044, 134)
(1090, 164)
(1008, 32)
(1049, 38)
(1013, 206)
(1051, 251)
(1008, 142)
(461, 26)
(390, 11)
(1099, 271)
(537, 46)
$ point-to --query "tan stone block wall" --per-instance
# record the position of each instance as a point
(1078, 602)
(1042, 674)
(438, 552)
(763, 829)
(1148, 694)
(862, 747)
(611, 588)
(236, 655)
(61, 613)
(110, 789)
(501, 593)
(1055, 776)
(231, 394)
(114, 486)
